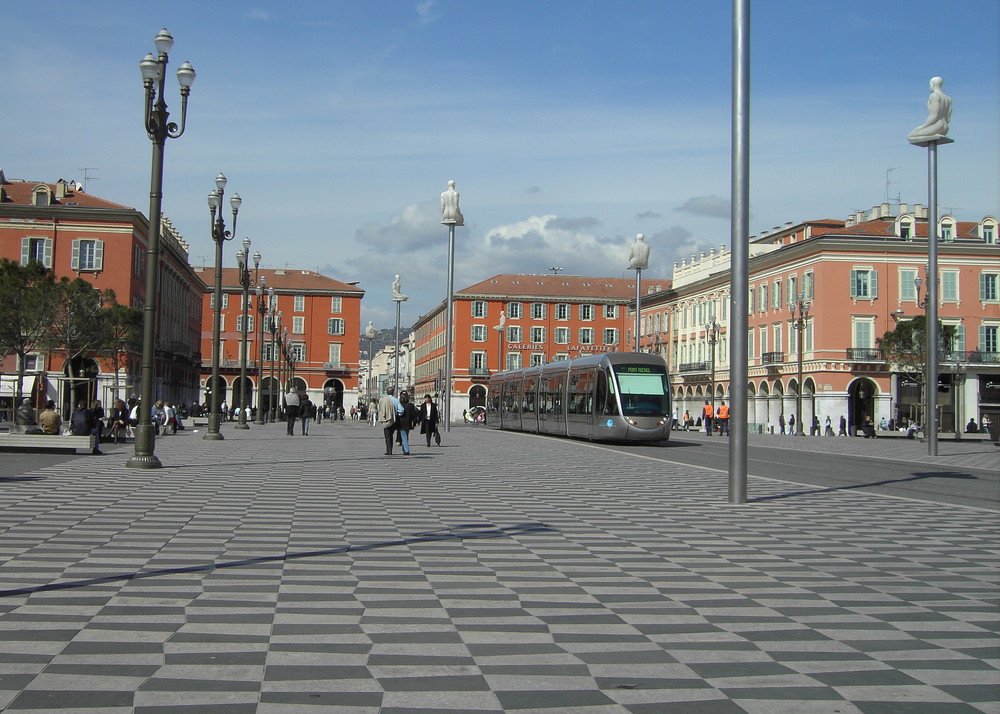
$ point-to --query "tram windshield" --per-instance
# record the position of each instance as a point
(644, 389)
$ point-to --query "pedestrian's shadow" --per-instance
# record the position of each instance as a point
(460, 532)
(886, 482)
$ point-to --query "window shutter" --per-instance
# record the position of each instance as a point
(982, 294)
(982, 338)
(26, 253)
(873, 277)
(47, 253)
(98, 255)
(854, 283)
(74, 263)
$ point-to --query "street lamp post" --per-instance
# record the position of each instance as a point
(243, 261)
(220, 235)
(712, 330)
(370, 334)
(451, 216)
(274, 327)
(261, 312)
(159, 129)
(800, 311)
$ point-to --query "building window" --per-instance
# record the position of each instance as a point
(537, 358)
(477, 363)
(42, 196)
(864, 332)
(268, 351)
(808, 285)
(334, 355)
(989, 233)
(538, 311)
(513, 334)
(791, 287)
(777, 338)
(239, 323)
(907, 290)
(514, 310)
(776, 296)
(335, 326)
(988, 286)
(611, 312)
(586, 312)
(947, 232)
(36, 250)
(562, 335)
(560, 356)
(586, 336)
(949, 285)
(479, 333)
(864, 284)
(763, 340)
(750, 301)
(300, 303)
(225, 301)
(610, 336)
(906, 229)
(479, 308)
(562, 311)
(34, 363)
(750, 352)
(336, 305)
(537, 335)
(87, 255)
(298, 325)
(762, 299)
(513, 360)
(299, 352)
(988, 338)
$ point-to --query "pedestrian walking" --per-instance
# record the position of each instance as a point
(687, 420)
(292, 401)
(707, 414)
(791, 424)
(781, 423)
(722, 415)
(387, 411)
(843, 426)
(428, 417)
(407, 418)
(829, 427)
(307, 410)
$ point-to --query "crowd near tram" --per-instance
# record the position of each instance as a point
(617, 396)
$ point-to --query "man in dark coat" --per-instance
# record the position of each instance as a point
(427, 415)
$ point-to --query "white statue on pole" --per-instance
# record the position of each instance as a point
(638, 256)
(503, 321)
(935, 127)
(397, 294)
(370, 330)
(451, 214)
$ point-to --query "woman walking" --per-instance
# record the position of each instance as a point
(428, 417)
(406, 421)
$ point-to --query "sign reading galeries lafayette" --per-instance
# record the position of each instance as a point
(574, 348)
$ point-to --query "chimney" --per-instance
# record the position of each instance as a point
(61, 189)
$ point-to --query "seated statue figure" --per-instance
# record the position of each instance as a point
(935, 127)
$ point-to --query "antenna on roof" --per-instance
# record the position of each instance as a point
(87, 177)
(555, 271)
(888, 174)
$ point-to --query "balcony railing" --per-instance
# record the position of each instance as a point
(479, 370)
(772, 358)
(865, 354)
(693, 367)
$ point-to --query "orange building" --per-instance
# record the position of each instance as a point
(80, 235)
(858, 279)
(321, 317)
(545, 318)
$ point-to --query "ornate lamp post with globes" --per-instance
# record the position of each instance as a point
(712, 330)
(220, 235)
(243, 261)
(159, 129)
(800, 311)
(261, 313)
(274, 327)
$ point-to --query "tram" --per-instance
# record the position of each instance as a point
(615, 396)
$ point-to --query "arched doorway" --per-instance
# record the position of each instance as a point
(860, 403)
(238, 390)
(477, 396)
(764, 407)
(333, 395)
(216, 384)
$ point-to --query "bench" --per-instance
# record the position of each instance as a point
(48, 442)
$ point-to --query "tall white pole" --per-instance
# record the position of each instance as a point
(739, 239)
(638, 305)
(448, 329)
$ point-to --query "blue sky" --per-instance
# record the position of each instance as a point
(569, 126)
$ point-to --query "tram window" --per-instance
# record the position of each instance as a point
(605, 397)
(644, 390)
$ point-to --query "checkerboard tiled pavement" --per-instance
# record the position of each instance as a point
(500, 572)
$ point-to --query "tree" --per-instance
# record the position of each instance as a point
(28, 297)
(78, 325)
(906, 345)
(123, 335)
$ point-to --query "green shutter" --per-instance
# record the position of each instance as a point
(74, 262)
(854, 283)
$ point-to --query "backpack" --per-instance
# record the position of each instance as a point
(79, 422)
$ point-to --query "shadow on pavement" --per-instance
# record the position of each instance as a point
(465, 531)
(886, 482)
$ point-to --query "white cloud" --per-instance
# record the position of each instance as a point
(712, 206)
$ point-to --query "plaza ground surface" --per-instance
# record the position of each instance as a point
(498, 572)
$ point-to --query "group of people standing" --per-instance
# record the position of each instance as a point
(399, 416)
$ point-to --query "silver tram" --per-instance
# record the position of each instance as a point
(616, 396)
